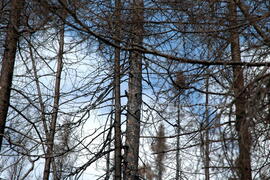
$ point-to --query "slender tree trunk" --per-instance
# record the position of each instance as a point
(134, 95)
(108, 157)
(178, 161)
(40, 99)
(8, 61)
(50, 141)
(117, 75)
(242, 127)
(207, 156)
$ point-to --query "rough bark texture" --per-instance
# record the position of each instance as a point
(242, 127)
(117, 122)
(8, 61)
(134, 95)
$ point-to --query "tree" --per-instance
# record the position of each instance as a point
(8, 61)
(159, 147)
(134, 93)
(65, 159)
(49, 156)
(242, 124)
(93, 62)
(117, 94)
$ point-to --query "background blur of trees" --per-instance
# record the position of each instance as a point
(134, 89)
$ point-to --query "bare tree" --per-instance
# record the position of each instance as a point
(159, 147)
(221, 48)
(134, 93)
(8, 61)
(117, 94)
(206, 138)
(242, 124)
(52, 128)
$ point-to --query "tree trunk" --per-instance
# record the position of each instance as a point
(8, 62)
(244, 136)
(50, 141)
(117, 75)
(134, 95)
(178, 160)
(206, 152)
(108, 156)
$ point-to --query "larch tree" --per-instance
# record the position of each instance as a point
(117, 93)
(242, 124)
(49, 156)
(134, 92)
(8, 61)
(73, 56)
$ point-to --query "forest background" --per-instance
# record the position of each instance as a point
(124, 89)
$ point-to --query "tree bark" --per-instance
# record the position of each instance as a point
(207, 152)
(134, 95)
(242, 127)
(117, 76)
(50, 141)
(8, 62)
(178, 160)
